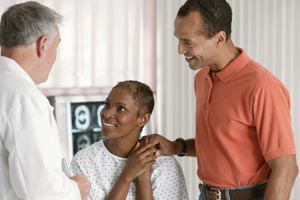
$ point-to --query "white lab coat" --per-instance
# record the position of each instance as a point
(30, 156)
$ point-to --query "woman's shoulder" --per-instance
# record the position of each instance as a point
(167, 162)
(168, 181)
(90, 151)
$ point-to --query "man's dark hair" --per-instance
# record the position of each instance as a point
(216, 15)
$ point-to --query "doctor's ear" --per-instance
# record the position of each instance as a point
(41, 44)
(144, 119)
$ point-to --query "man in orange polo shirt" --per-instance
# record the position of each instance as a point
(244, 142)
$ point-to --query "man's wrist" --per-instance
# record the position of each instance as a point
(182, 146)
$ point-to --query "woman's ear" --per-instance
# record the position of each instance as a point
(143, 120)
(41, 45)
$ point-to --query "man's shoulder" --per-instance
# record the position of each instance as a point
(259, 74)
(256, 70)
(11, 83)
(202, 72)
(16, 91)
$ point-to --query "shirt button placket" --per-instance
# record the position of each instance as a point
(208, 89)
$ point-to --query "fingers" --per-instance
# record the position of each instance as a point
(164, 145)
(147, 161)
(145, 150)
(157, 154)
(82, 179)
(146, 153)
(149, 164)
(151, 152)
(136, 146)
(83, 185)
(153, 138)
(140, 160)
(146, 147)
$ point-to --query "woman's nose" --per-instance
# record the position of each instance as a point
(107, 113)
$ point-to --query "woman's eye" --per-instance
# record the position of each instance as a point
(106, 105)
(121, 109)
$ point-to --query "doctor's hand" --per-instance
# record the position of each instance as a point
(83, 185)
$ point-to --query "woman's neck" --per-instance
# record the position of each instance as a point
(119, 147)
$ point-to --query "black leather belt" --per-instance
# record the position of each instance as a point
(212, 193)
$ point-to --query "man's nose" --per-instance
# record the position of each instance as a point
(181, 48)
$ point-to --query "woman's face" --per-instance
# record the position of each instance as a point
(120, 115)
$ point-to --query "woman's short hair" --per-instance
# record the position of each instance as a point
(141, 93)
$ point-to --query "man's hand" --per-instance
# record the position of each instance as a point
(83, 185)
(167, 147)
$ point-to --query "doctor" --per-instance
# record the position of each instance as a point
(30, 154)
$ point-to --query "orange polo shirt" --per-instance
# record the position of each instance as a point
(242, 121)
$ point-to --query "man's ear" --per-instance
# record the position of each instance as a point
(41, 44)
(220, 37)
(143, 120)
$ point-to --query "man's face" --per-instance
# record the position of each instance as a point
(50, 54)
(197, 49)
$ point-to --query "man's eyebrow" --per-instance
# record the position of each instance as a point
(183, 39)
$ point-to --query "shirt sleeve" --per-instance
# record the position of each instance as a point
(34, 154)
(271, 111)
(75, 168)
(81, 164)
(168, 182)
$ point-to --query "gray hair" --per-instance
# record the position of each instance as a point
(22, 24)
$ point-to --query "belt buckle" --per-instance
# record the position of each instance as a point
(217, 192)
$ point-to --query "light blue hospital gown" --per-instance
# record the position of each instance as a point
(103, 169)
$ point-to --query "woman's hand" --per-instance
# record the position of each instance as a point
(140, 159)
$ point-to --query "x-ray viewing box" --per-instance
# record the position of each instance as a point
(78, 121)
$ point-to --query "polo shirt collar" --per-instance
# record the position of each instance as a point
(234, 67)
